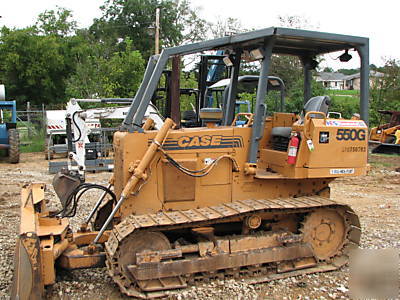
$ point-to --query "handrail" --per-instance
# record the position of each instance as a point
(307, 121)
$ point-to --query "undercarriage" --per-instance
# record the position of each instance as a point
(255, 240)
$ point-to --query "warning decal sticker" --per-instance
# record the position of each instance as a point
(346, 123)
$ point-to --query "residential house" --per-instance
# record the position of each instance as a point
(331, 80)
(353, 81)
(339, 81)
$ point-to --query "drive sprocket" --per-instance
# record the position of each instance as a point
(326, 230)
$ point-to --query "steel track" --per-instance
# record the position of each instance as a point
(208, 216)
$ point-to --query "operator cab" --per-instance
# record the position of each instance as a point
(269, 135)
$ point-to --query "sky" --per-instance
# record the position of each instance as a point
(377, 20)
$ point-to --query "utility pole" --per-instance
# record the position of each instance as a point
(157, 35)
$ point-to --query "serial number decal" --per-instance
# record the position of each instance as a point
(341, 171)
(203, 142)
(350, 134)
(346, 123)
(354, 149)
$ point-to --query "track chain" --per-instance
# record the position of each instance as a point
(223, 213)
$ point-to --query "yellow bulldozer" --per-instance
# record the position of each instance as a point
(387, 134)
(220, 200)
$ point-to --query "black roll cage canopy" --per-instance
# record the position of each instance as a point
(261, 44)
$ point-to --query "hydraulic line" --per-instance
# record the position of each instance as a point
(195, 173)
(80, 133)
(97, 205)
(71, 204)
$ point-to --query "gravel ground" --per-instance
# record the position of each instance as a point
(375, 198)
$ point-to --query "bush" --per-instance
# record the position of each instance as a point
(295, 96)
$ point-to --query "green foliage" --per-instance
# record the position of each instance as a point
(288, 68)
(99, 76)
(346, 105)
(295, 96)
(126, 70)
(348, 71)
(59, 23)
(135, 19)
(53, 60)
(188, 80)
(354, 93)
(346, 102)
(33, 67)
(385, 93)
(328, 69)
(34, 142)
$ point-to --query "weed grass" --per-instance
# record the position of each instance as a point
(344, 92)
(33, 142)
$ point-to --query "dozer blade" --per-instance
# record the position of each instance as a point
(46, 240)
(387, 149)
(27, 281)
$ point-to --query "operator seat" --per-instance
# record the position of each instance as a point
(318, 103)
(281, 135)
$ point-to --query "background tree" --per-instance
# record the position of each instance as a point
(328, 70)
(33, 67)
(135, 19)
(349, 71)
(53, 60)
(385, 92)
(37, 61)
(290, 68)
(99, 76)
(58, 22)
(224, 27)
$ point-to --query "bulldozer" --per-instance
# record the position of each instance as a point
(386, 135)
(187, 205)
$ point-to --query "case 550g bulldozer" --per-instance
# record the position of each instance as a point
(216, 201)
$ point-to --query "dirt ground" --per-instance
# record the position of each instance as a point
(375, 198)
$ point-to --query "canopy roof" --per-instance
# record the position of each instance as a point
(287, 41)
(249, 82)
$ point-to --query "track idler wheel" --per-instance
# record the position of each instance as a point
(136, 243)
(325, 229)
(126, 256)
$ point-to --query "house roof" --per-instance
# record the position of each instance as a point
(330, 76)
(336, 76)
(372, 73)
